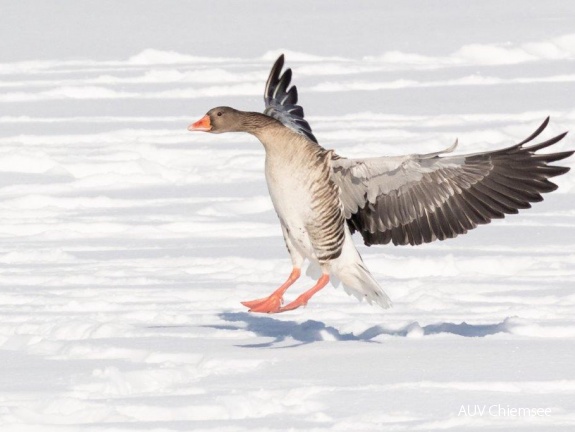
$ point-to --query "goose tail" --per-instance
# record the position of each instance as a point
(356, 278)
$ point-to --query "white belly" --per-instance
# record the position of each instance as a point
(292, 203)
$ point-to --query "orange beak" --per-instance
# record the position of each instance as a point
(202, 124)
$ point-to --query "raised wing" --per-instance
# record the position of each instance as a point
(417, 199)
(281, 102)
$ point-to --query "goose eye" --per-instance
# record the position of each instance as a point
(219, 114)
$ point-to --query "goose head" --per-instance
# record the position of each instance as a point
(219, 120)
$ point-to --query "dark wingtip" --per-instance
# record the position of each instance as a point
(292, 97)
(547, 143)
(278, 64)
(274, 76)
(286, 76)
(537, 132)
(281, 100)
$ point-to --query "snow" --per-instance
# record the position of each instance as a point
(127, 242)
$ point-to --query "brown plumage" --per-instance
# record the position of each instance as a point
(322, 198)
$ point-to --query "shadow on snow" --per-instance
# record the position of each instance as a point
(315, 331)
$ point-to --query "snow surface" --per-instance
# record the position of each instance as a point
(127, 243)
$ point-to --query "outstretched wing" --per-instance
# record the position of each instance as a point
(281, 102)
(417, 199)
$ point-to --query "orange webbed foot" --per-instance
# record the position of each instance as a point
(304, 298)
(293, 305)
(269, 304)
(272, 304)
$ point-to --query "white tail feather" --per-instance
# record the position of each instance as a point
(359, 282)
(355, 277)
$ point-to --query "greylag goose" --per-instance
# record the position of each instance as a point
(321, 198)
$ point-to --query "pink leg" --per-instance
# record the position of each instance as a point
(272, 303)
(304, 298)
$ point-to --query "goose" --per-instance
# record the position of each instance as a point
(322, 198)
